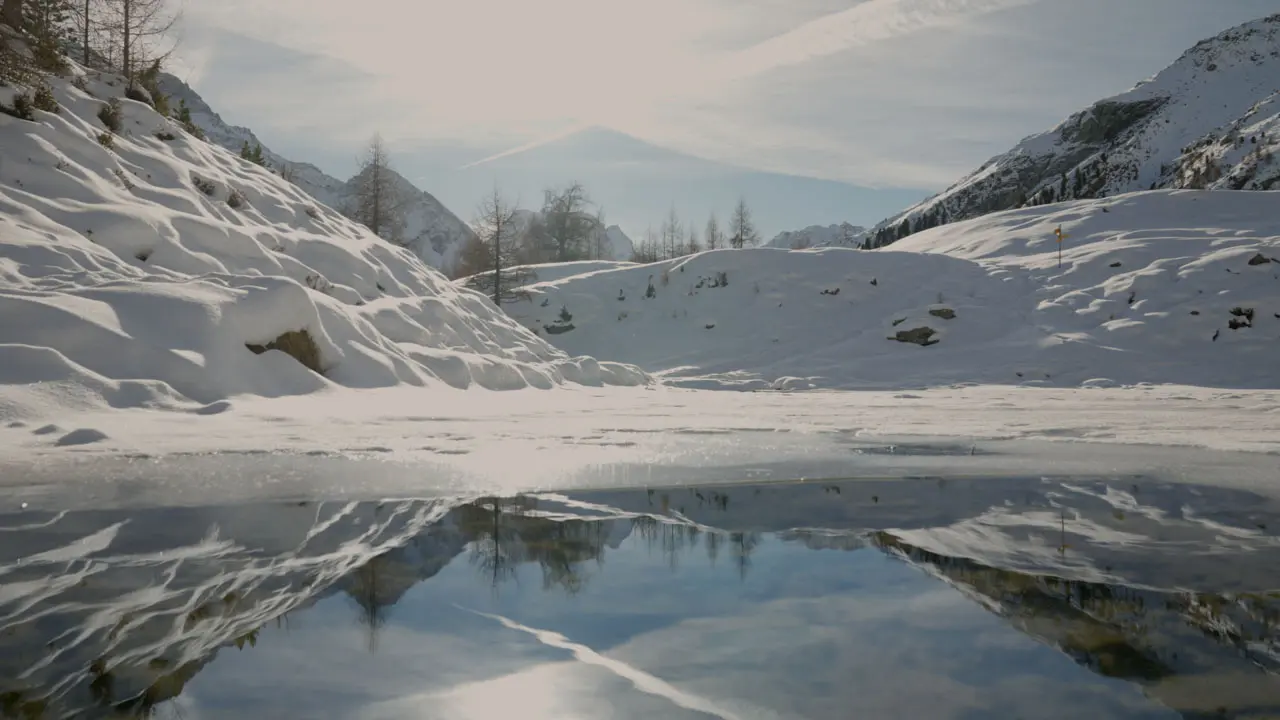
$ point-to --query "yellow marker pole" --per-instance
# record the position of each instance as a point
(1061, 236)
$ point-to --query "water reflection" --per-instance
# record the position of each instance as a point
(675, 593)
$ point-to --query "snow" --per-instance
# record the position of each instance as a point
(841, 235)
(124, 285)
(1215, 106)
(1150, 288)
(431, 231)
(129, 299)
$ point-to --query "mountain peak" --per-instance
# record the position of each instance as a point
(1210, 120)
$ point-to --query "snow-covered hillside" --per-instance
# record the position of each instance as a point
(149, 268)
(841, 235)
(431, 230)
(1210, 120)
(1164, 287)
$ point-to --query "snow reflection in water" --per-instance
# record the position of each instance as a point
(1028, 598)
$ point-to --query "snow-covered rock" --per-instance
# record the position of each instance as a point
(1163, 287)
(431, 230)
(159, 272)
(841, 235)
(1209, 120)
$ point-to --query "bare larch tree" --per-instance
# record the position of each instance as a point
(378, 204)
(496, 245)
(713, 235)
(742, 230)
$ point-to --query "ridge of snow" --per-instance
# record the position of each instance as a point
(432, 231)
(1150, 288)
(124, 285)
(1210, 120)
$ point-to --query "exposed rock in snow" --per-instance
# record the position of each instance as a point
(129, 277)
(1147, 282)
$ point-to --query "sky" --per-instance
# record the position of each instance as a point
(884, 94)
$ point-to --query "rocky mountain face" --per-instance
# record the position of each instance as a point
(841, 235)
(1211, 120)
(431, 230)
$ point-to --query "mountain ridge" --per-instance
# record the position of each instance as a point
(1210, 120)
(432, 231)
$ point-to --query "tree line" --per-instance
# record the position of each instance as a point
(676, 239)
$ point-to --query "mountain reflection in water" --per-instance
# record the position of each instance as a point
(1164, 592)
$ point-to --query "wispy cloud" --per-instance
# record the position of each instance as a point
(871, 21)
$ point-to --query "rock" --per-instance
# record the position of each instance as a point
(1259, 259)
(1246, 313)
(297, 344)
(944, 313)
(922, 336)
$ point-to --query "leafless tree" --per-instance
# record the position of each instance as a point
(742, 230)
(568, 224)
(143, 28)
(601, 235)
(378, 203)
(646, 251)
(494, 250)
(672, 236)
(713, 235)
(692, 246)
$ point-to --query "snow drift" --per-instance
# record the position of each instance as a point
(1165, 287)
(148, 268)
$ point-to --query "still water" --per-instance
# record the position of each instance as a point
(1032, 598)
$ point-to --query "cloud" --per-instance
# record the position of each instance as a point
(871, 21)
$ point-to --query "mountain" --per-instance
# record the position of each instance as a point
(432, 231)
(842, 235)
(147, 268)
(638, 183)
(1210, 120)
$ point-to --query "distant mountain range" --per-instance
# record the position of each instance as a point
(842, 235)
(637, 184)
(1211, 120)
(432, 231)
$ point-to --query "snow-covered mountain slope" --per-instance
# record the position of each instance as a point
(841, 235)
(165, 271)
(1162, 287)
(1210, 120)
(431, 230)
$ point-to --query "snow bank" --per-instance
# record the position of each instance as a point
(1161, 287)
(140, 274)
